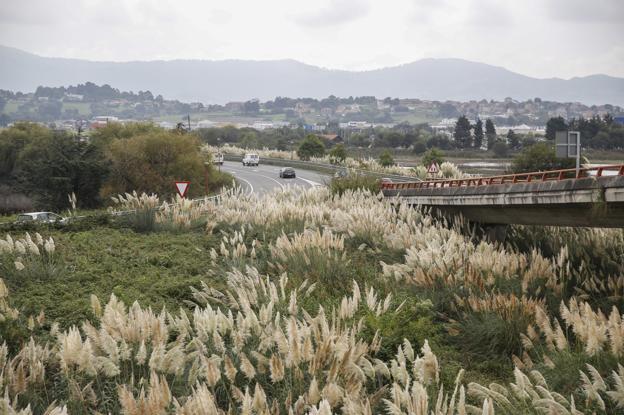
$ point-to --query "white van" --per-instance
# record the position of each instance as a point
(251, 159)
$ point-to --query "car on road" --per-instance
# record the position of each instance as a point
(287, 172)
(251, 159)
(40, 217)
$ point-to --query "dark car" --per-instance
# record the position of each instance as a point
(287, 172)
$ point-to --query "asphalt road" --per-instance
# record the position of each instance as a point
(265, 178)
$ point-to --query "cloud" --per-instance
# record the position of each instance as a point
(584, 11)
(337, 12)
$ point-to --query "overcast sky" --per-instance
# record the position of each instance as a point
(541, 38)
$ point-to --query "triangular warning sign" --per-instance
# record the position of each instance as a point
(182, 188)
(433, 168)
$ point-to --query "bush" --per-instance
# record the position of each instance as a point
(152, 162)
(385, 159)
(340, 185)
(338, 154)
(433, 155)
(312, 146)
(539, 157)
(500, 149)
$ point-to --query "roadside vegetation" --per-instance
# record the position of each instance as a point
(308, 302)
(39, 167)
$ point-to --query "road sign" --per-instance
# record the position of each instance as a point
(182, 188)
(433, 168)
(568, 145)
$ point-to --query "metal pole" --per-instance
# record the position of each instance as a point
(578, 154)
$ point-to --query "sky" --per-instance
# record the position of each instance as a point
(539, 38)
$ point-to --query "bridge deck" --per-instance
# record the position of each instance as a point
(593, 198)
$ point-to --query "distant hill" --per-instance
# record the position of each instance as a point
(241, 80)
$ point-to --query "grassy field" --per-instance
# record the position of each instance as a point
(309, 302)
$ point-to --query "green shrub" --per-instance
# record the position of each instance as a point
(414, 322)
(339, 185)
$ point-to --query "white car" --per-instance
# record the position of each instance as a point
(40, 217)
(251, 159)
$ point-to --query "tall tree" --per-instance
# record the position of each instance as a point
(478, 134)
(312, 146)
(462, 132)
(512, 139)
(52, 167)
(553, 125)
(490, 133)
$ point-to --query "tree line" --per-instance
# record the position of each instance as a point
(40, 167)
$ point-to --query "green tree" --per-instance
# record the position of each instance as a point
(433, 155)
(420, 147)
(553, 125)
(462, 132)
(338, 154)
(249, 140)
(500, 149)
(512, 139)
(539, 157)
(478, 134)
(12, 142)
(152, 162)
(490, 133)
(311, 146)
(386, 159)
(52, 167)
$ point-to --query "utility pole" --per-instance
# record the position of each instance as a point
(188, 117)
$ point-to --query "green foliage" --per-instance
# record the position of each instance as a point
(152, 162)
(414, 322)
(431, 156)
(311, 146)
(249, 140)
(420, 147)
(338, 154)
(512, 139)
(539, 157)
(53, 167)
(385, 159)
(553, 125)
(462, 132)
(500, 149)
(46, 166)
(154, 268)
(340, 185)
(487, 334)
(106, 135)
(478, 134)
(490, 133)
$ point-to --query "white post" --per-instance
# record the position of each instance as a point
(578, 154)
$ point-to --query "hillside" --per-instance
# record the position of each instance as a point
(240, 80)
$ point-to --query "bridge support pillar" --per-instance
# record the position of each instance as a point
(495, 233)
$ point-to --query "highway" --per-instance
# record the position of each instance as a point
(265, 178)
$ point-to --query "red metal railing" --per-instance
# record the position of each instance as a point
(541, 176)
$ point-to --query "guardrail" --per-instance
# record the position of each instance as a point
(323, 167)
(543, 176)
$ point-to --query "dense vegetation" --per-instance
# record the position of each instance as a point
(307, 302)
(40, 167)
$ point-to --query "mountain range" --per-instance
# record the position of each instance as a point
(222, 81)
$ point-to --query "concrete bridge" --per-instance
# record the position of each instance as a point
(594, 197)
